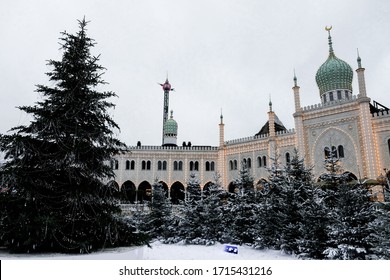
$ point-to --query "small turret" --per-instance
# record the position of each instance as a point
(361, 79)
(170, 132)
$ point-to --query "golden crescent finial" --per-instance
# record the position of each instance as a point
(328, 28)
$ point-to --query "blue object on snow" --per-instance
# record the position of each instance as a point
(231, 249)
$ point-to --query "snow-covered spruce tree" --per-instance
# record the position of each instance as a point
(242, 209)
(213, 205)
(286, 205)
(313, 237)
(296, 179)
(158, 222)
(350, 214)
(192, 208)
(380, 238)
(55, 166)
(304, 215)
(331, 179)
(268, 220)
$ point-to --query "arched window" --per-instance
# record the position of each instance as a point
(249, 163)
(116, 164)
(259, 162)
(244, 163)
(143, 165)
(388, 144)
(264, 161)
(324, 98)
(132, 165)
(334, 152)
(164, 165)
(331, 96)
(127, 164)
(194, 166)
(326, 152)
(180, 165)
(207, 166)
(231, 165)
(159, 165)
(339, 94)
(287, 157)
(340, 149)
(212, 166)
(175, 167)
(235, 164)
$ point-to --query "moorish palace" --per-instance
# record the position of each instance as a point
(345, 123)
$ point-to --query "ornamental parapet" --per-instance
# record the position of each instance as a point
(328, 104)
(381, 113)
(173, 148)
(258, 137)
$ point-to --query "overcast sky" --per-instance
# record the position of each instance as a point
(229, 54)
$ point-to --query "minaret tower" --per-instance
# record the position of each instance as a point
(221, 132)
(166, 88)
(298, 118)
(222, 152)
(272, 134)
(370, 168)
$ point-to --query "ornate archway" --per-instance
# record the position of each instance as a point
(177, 192)
(128, 192)
(144, 192)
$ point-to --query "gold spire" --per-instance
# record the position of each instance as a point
(329, 39)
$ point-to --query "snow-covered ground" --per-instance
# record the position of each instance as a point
(159, 251)
(108, 264)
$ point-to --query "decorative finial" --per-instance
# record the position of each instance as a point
(295, 79)
(167, 86)
(270, 103)
(359, 60)
(221, 117)
(171, 114)
(329, 39)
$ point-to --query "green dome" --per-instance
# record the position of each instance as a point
(170, 126)
(334, 73)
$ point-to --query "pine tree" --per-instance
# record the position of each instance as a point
(158, 222)
(213, 219)
(242, 210)
(313, 228)
(350, 223)
(296, 179)
(194, 193)
(269, 221)
(309, 212)
(192, 209)
(380, 237)
(290, 215)
(350, 213)
(56, 165)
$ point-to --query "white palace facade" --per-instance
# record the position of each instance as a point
(347, 123)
